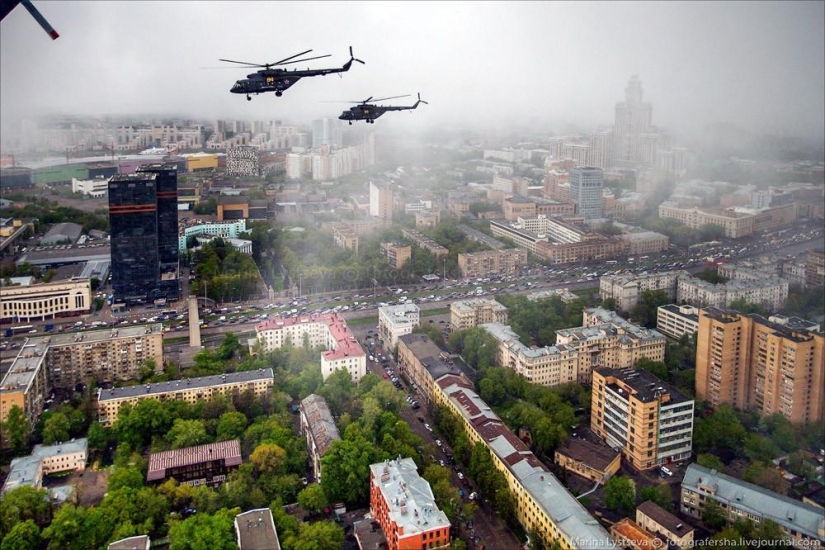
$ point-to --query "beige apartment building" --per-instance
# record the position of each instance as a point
(344, 237)
(471, 313)
(650, 421)
(423, 241)
(397, 254)
(427, 218)
(478, 264)
(769, 292)
(748, 362)
(67, 359)
(655, 519)
(190, 390)
(45, 300)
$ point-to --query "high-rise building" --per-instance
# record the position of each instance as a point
(749, 362)
(586, 191)
(633, 118)
(381, 200)
(601, 149)
(326, 131)
(648, 419)
(143, 219)
(167, 209)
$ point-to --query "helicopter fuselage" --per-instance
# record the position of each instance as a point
(278, 80)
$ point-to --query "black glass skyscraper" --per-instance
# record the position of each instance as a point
(143, 224)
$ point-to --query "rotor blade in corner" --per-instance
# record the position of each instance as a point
(392, 97)
(302, 60)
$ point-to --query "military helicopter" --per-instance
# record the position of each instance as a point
(369, 112)
(278, 80)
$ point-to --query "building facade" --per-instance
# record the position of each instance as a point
(45, 300)
(651, 422)
(343, 352)
(143, 216)
(397, 254)
(659, 521)
(208, 464)
(769, 292)
(815, 268)
(586, 185)
(478, 264)
(381, 201)
(423, 241)
(396, 321)
(473, 312)
(627, 289)
(676, 321)
(259, 382)
(748, 362)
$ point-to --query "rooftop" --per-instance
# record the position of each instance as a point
(345, 343)
(409, 498)
(663, 518)
(25, 470)
(142, 542)
(321, 425)
(255, 530)
(632, 531)
(228, 451)
(571, 518)
(646, 387)
(429, 354)
(185, 384)
(787, 512)
(596, 456)
(468, 306)
(68, 447)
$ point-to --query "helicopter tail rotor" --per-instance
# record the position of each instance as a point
(421, 100)
(353, 58)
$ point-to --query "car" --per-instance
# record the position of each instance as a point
(438, 442)
(427, 427)
(441, 463)
(473, 495)
(460, 475)
(666, 471)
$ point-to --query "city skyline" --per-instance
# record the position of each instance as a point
(701, 64)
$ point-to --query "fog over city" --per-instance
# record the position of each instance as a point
(554, 66)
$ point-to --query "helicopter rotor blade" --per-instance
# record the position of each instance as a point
(302, 60)
(288, 58)
(421, 100)
(391, 97)
(243, 63)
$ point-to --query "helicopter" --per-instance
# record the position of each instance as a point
(369, 112)
(278, 80)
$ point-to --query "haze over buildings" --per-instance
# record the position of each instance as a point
(742, 69)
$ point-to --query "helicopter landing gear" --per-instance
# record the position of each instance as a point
(278, 94)
(249, 98)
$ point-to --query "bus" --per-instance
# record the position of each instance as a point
(21, 329)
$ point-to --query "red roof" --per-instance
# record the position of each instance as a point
(229, 451)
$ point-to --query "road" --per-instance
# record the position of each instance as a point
(490, 531)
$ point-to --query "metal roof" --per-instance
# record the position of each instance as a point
(228, 451)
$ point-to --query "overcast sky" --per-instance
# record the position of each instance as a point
(758, 65)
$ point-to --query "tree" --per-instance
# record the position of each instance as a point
(187, 433)
(204, 531)
(346, 467)
(22, 536)
(268, 459)
(321, 535)
(98, 437)
(765, 476)
(620, 494)
(231, 426)
(710, 461)
(713, 516)
(660, 494)
(56, 429)
(312, 499)
(21, 504)
(125, 476)
(16, 429)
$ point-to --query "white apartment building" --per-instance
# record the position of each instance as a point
(676, 320)
(45, 300)
(44, 460)
(396, 321)
(627, 289)
(327, 331)
(769, 292)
